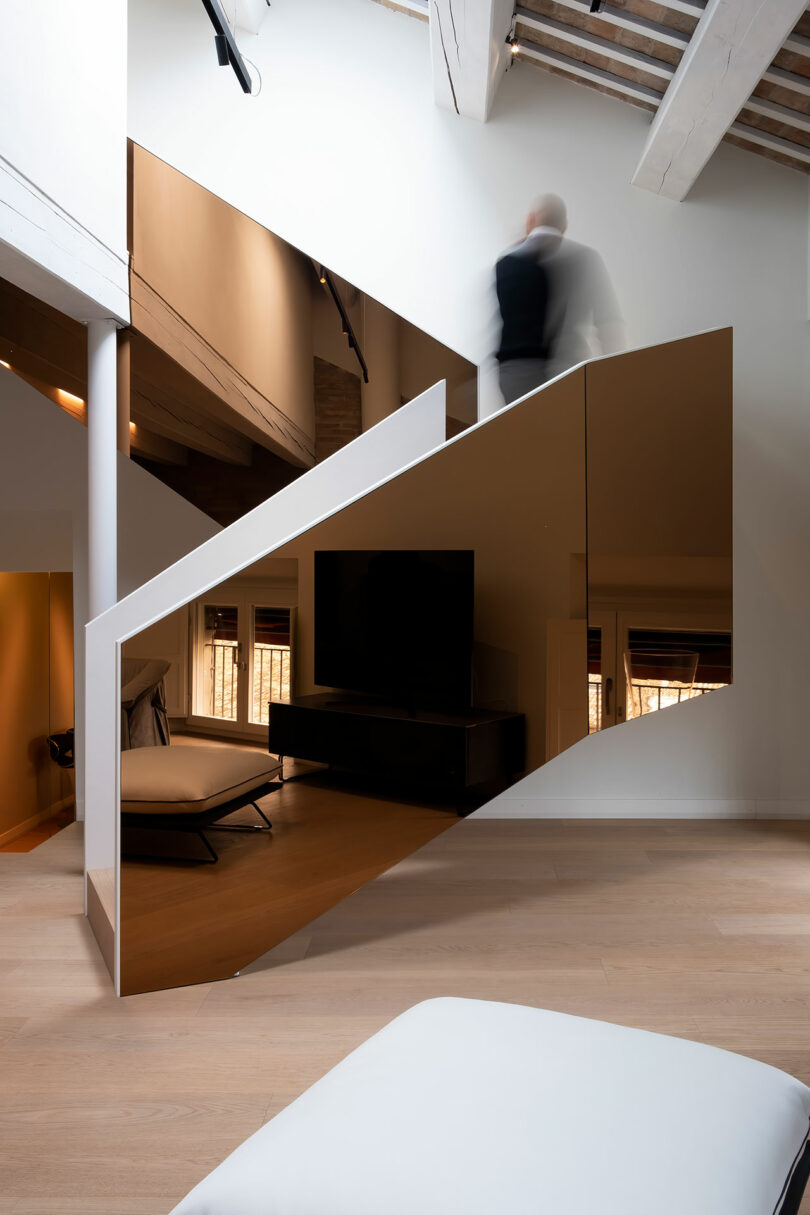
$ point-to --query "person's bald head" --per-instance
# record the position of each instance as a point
(548, 211)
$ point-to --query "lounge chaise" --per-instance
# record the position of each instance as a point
(190, 788)
(464, 1107)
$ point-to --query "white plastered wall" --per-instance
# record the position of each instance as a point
(63, 154)
(43, 511)
(345, 155)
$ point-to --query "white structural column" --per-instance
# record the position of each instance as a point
(102, 461)
(469, 52)
(731, 49)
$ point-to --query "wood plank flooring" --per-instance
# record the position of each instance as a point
(700, 929)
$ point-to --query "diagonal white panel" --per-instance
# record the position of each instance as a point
(731, 49)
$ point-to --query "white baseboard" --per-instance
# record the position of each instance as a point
(28, 824)
(582, 807)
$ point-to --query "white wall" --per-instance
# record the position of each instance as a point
(345, 155)
(63, 153)
(43, 508)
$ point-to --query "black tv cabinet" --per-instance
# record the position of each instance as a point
(443, 753)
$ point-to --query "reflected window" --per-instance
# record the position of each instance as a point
(665, 667)
(594, 680)
(270, 660)
(220, 662)
(241, 661)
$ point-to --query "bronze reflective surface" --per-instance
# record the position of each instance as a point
(659, 424)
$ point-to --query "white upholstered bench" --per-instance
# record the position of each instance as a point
(465, 1107)
(188, 788)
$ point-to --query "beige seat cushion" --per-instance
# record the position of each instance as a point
(190, 780)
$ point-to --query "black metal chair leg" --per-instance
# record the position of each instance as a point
(207, 842)
(261, 815)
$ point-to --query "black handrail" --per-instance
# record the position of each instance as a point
(326, 277)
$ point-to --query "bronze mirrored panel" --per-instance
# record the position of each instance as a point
(367, 777)
(594, 522)
(659, 527)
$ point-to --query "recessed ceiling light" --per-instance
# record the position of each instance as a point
(69, 398)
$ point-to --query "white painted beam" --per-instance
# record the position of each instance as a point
(418, 7)
(592, 75)
(691, 8)
(599, 46)
(469, 53)
(730, 50)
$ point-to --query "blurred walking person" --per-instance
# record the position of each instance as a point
(557, 303)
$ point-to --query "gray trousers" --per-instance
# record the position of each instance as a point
(519, 376)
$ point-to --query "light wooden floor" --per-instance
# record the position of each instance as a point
(700, 929)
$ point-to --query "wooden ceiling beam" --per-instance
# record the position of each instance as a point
(779, 113)
(620, 19)
(733, 45)
(787, 80)
(591, 75)
(773, 142)
(592, 42)
(797, 45)
(469, 53)
(169, 418)
(143, 442)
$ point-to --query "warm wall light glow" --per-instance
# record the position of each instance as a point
(7, 366)
(68, 398)
(132, 428)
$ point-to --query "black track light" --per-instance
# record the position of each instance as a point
(227, 50)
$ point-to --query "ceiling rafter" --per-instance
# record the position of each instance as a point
(593, 75)
(774, 142)
(600, 46)
(619, 19)
(779, 113)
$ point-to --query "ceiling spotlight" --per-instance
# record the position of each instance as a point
(513, 44)
(322, 275)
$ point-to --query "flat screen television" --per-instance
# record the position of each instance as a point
(396, 625)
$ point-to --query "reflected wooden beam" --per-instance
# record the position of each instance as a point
(252, 414)
(171, 419)
(143, 442)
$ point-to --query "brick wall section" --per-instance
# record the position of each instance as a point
(337, 408)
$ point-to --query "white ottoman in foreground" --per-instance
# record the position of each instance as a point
(465, 1107)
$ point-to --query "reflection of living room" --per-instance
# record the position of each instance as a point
(428, 627)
